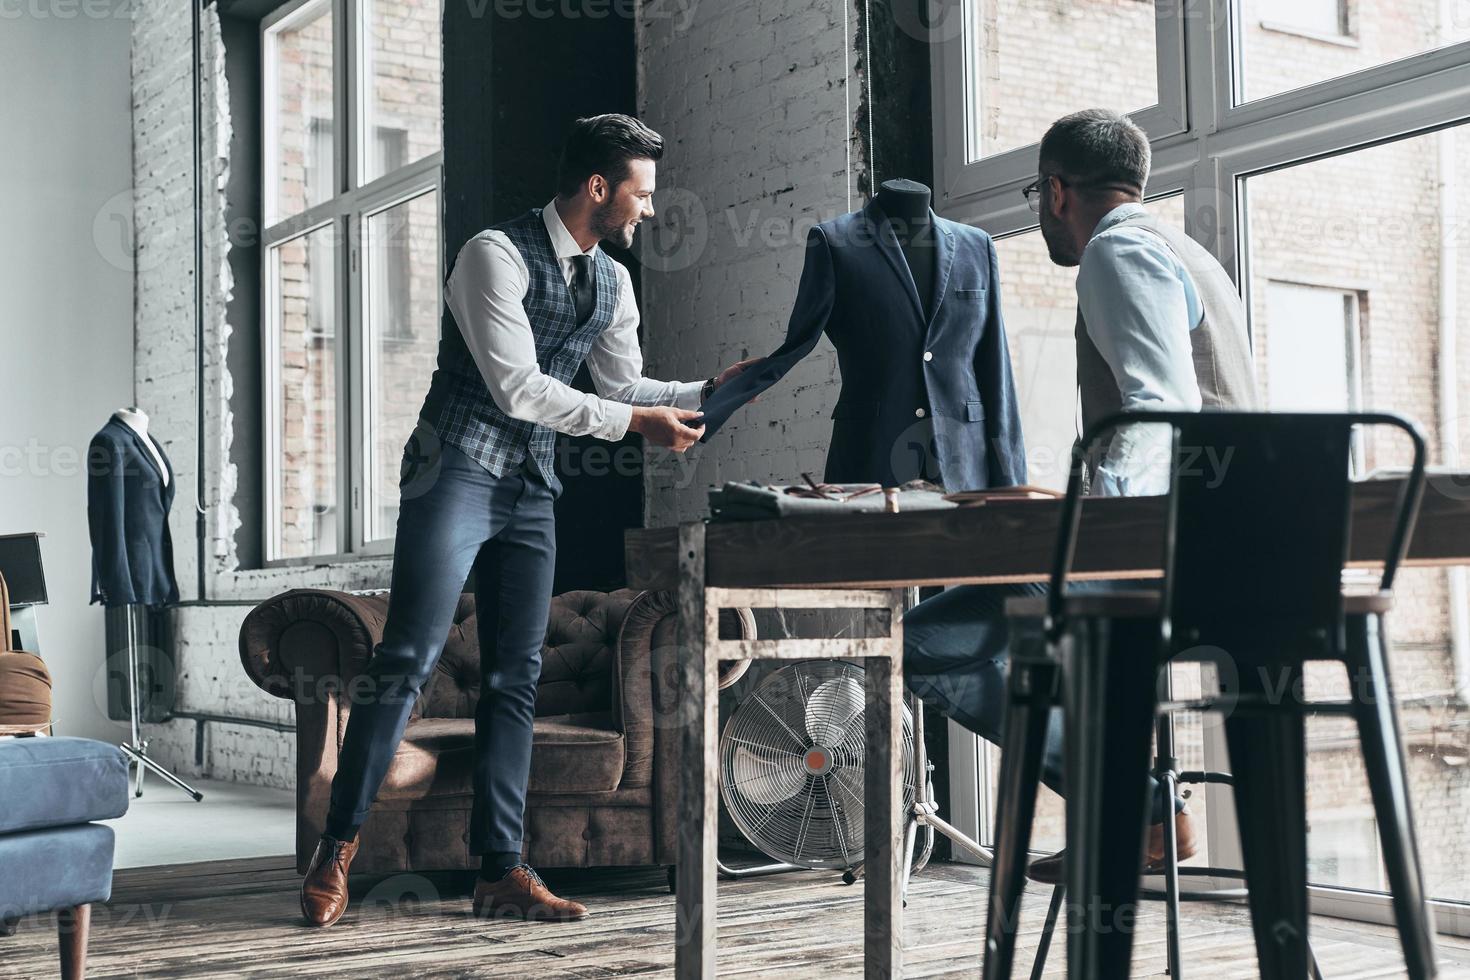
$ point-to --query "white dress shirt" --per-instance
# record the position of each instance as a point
(1139, 304)
(485, 292)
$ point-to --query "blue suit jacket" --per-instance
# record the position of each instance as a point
(127, 516)
(914, 390)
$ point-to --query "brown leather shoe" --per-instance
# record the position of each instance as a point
(522, 894)
(324, 890)
(1050, 870)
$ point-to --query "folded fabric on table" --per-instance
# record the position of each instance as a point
(757, 501)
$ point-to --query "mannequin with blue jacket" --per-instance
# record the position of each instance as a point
(911, 301)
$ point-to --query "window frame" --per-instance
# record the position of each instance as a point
(1219, 144)
(961, 171)
(347, 212)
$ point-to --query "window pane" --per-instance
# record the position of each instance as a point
(402, 290)
(403, 104)
(1035, 62)
(304, 347)
(299, 112)
(1350, 293)
(1284, 46)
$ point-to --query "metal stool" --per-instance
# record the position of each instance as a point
(1252, 583)
(1170, 777)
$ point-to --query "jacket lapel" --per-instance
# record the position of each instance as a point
(173, 479)
(888, 245)
(943, 263)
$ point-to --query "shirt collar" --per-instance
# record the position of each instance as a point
(562, 242)
(1119, 214)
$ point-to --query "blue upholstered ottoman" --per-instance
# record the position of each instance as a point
(52, 857)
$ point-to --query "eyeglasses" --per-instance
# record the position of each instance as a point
(1032, 192)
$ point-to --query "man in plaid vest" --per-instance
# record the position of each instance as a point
(533, 298)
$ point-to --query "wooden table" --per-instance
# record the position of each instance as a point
(701, 651)
(865, 561)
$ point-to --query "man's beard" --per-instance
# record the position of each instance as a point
(610, 227)
(1056, 246)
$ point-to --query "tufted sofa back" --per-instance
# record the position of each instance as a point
(579, 670)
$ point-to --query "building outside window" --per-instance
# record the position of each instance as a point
(352, 254)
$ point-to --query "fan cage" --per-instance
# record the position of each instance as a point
(791, 764)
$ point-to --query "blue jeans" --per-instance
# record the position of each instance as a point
(956, 649)
(450, 521)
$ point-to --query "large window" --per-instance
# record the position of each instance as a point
(1008, 67)
(1057, 44)
(1284, 46)
(1323, 155)
(352, 107)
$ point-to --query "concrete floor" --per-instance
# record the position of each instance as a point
(165, 826)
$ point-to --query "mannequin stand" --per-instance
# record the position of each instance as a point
(925, 813)
(137, 746)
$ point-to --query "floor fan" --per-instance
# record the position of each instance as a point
(791, 765)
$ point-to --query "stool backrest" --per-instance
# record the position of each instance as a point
(1259, 511)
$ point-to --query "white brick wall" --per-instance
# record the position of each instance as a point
(756, 101)
(205, 637)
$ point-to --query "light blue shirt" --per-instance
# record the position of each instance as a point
(1139, 304)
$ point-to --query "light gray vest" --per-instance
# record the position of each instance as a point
(1221, 345)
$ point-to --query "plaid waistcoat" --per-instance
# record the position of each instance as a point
(459, 407)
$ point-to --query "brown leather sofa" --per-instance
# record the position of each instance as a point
(604, 765)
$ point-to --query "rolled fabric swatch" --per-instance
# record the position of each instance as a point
(25, 693)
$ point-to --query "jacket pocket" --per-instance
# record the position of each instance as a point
(974, 411)
(855, 409)
(970, 292)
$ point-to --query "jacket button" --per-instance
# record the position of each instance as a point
(919, 412)
(928, 355)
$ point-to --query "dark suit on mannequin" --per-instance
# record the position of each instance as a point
(127, 516)
(926, 377)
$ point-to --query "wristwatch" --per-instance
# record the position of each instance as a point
(706, 391)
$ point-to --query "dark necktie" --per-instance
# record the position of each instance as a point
(584, 293)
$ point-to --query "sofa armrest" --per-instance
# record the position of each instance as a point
(310, 645)
(651, 714)
(307, 643)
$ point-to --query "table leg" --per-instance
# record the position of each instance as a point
(883, 821)
(695, 902)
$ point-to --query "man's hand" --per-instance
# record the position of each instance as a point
(666, 426)
(735, 369)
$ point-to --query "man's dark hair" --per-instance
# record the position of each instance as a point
(604, 145)
(1096, 146)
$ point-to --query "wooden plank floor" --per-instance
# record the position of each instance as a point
(240, 918)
